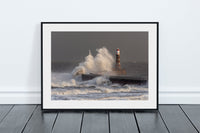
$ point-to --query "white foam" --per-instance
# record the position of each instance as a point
(102, 63)
(66, 85)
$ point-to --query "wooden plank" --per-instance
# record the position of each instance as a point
(16, 119)
(176, 120)
(193, 112)
(122, 122)
(40, 122)
(4, 109)
(68, 122)
(150, 122)
(95, 122)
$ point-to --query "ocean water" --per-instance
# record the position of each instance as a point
(64, 87)
(67, 84)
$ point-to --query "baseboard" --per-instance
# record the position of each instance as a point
(165, 97)
(179, 98)
(20, 97)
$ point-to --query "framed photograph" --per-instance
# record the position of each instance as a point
(99, 65)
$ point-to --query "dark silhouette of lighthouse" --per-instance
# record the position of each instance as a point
(118, 66)
(118, 70)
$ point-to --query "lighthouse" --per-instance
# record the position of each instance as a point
(118, 66)
(118, 69)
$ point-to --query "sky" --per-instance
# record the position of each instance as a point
(75, 46)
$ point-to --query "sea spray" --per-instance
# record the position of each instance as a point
(102, 63)
(69, 86)
(76, 82)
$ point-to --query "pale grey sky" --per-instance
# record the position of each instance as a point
(74, 46)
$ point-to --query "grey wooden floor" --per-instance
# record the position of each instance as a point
(169, 118)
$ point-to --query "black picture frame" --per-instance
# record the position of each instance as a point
(135, 109)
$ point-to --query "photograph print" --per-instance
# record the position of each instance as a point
(99, 65)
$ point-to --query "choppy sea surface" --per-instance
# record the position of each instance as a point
(65, 86)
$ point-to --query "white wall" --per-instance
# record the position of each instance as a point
(179, 41)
